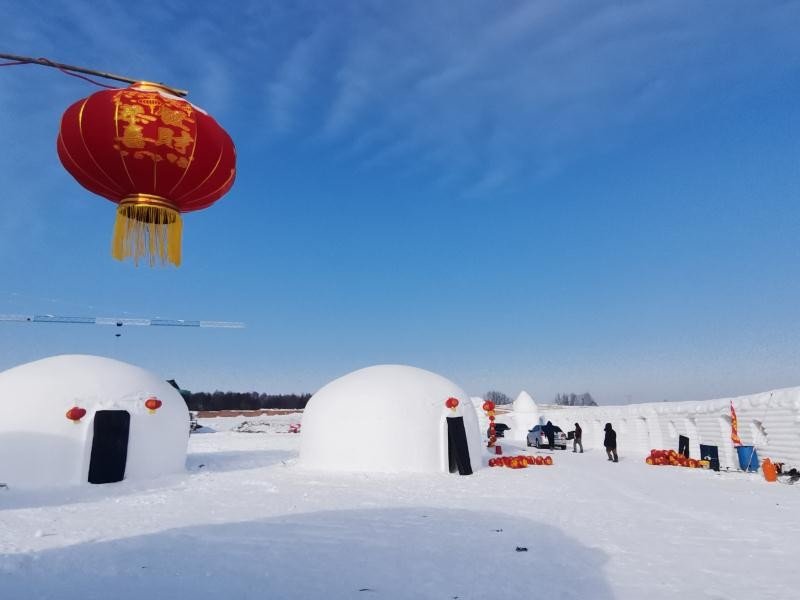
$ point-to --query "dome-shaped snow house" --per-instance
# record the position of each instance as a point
(74, 419)
(391, 418)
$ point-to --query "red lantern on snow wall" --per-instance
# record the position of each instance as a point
(155, 155)
(76, 413)
(152, 404)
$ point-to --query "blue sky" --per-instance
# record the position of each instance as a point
(555, 196)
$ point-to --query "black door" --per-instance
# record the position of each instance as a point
(110, 446)
(683, 445)
(711, 454)
(458, 450)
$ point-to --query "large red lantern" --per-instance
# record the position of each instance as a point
(154, 154)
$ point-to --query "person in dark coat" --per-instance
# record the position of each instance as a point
(577, 440)
(550, 432)
(610, 442)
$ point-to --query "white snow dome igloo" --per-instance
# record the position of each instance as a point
(74, 419)
(390, 418)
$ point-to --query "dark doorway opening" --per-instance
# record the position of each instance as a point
(110, 446)
(458, 450)
(683, 445)
(711, 454)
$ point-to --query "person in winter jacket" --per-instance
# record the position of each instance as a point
(577, 441)
(550, 432)
(610, 442)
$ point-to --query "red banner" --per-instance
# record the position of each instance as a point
(734, 428)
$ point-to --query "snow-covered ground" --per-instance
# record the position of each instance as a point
(246, 522)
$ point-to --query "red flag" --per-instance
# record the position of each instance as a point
(734, 428)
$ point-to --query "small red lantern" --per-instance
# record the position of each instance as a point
(451, 403)
(548, 460)
(76, 413)
(152, 404)
(152, 153)
(488, 406)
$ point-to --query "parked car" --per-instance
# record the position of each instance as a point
(537, 438)
(499, 430)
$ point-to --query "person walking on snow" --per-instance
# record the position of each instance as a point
(610, 442)
(576, 441)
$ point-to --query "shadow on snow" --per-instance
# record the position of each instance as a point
(378, 553)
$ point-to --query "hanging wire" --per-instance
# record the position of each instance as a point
(73, 71)
(50, 63)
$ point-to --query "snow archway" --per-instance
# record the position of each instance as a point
(642, 434)
(386, 418)
(41, 447)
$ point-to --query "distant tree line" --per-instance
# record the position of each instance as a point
(242, 400)
(575, 400)
(497, 397)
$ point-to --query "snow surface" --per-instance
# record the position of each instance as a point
(245, 522)
(385, 418)
(39, 446)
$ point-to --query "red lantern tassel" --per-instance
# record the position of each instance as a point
(147, 227)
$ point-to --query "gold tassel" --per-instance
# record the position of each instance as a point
(147, 226)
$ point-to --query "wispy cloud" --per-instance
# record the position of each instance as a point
(294, 79)
(485, 92)
(487, 87)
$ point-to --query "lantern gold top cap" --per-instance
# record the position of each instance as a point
(157, 87)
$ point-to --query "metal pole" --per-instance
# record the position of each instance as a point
(49, 63)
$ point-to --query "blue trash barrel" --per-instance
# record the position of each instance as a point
(747, 453)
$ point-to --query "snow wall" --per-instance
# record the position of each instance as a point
(770, 421)
(385, 418)
(40, 447)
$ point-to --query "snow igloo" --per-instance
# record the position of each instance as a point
(391, 418)
(75, 419)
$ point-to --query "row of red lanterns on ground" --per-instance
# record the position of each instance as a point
(521, 461)
(76, 413)
(674, 459)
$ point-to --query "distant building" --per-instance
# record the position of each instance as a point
(770, 421)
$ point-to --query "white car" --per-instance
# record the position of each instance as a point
(537, 438)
